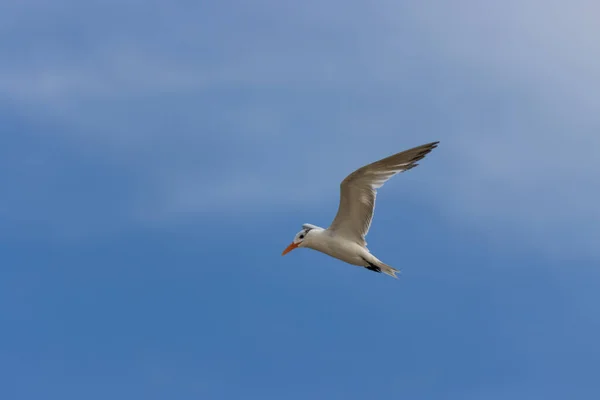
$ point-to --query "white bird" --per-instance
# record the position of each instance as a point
(345, 237)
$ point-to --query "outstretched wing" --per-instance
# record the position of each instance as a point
(359, 189)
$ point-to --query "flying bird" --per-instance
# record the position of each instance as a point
(345, 237)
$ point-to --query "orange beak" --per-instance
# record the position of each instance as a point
(289, 248)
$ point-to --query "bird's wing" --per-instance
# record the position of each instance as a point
(359, 189)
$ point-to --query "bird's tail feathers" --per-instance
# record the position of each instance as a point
(386, 269)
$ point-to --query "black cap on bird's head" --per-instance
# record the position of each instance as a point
(299, 238)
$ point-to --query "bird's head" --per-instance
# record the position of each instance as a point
(299, 239)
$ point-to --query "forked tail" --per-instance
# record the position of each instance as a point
(386, 269)
(382, 267)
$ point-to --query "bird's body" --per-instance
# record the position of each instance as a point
(344, 239)
(328, 242)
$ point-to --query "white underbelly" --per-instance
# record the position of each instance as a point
(341, 249)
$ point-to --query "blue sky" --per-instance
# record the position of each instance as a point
(157, 158)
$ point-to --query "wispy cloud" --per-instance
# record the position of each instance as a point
(204, 108)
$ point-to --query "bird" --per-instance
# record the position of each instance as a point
(344, 239)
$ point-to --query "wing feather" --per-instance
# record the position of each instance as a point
(359, 190)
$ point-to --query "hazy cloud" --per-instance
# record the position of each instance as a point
(204, 108)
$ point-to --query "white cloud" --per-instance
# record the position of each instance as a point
(526, 148)
(511, 90)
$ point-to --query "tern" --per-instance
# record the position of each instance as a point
(345, 237)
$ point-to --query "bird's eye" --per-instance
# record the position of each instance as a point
(301, 236)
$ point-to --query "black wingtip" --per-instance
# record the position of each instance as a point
(428, 147)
